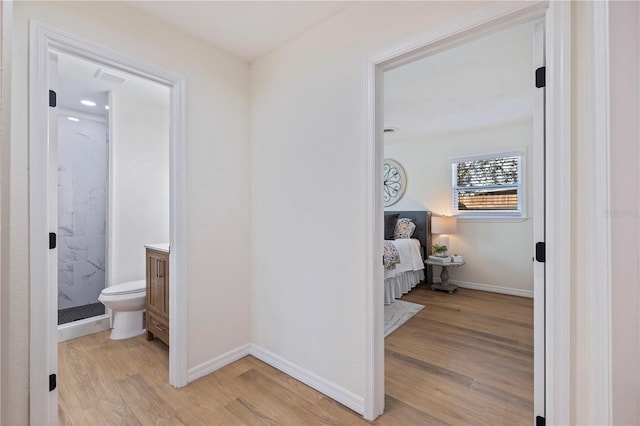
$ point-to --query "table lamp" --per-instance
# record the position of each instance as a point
(444, 226)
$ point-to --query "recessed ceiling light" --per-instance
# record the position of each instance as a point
(88, 102)
(106, 107)
(73, 119)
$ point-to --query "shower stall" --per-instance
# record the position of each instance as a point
(83, 157)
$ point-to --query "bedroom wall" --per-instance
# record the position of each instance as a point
(307, 121)
(218, 152)
(141, 180)
(497, 253)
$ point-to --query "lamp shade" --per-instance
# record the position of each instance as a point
(444, 225)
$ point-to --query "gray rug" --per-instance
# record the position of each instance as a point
(397, 314)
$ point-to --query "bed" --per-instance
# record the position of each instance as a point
(401, 276)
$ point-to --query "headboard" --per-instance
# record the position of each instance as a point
(422, 219)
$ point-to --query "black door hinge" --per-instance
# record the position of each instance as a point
(540, 252)
(541, 77)
(53, 382)
(52, 240)
(540, 421)
(52, 98)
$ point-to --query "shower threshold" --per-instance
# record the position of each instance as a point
(77, 313)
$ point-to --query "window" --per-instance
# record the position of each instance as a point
(488, 185)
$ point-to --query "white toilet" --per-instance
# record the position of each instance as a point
(127, 301)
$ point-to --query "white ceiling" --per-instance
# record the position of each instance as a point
(78, 80)
(483, 83)
(247, 29)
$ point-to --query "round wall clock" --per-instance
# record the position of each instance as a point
(394, 182)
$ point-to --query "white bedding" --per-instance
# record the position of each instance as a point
(406, 274)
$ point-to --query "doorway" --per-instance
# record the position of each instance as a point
(463, 121)
(552, 317)
(113, 184)
(44, 42)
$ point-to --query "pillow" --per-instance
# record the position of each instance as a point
(404, 228)
(390, 225)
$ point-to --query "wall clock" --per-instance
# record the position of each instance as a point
(394, 182)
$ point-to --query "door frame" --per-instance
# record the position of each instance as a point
(6, 32)
(43, 40)
(600, 300)
(557, 18)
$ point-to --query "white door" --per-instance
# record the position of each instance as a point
(538, 211)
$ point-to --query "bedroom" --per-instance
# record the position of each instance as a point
(469, 103)
(471, 110)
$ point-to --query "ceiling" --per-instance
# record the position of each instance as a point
(483, 83)
(247, 29)
(79, 79)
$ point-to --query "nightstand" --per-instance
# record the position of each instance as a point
(444, 275)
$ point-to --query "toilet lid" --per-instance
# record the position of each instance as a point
(126, 288)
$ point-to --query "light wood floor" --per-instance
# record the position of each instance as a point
(467, 358)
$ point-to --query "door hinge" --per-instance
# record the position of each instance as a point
(540, 421)
(53, 382)
(52, 98)
(52, 240)
(541, 251)
(541, 77)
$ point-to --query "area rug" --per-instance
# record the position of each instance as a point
(397, 313)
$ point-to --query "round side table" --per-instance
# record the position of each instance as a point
(444, 285)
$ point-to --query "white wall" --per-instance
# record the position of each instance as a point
(307, 134)
(497, 253)
(625, 211)
(219, 184)
(140, 144)
(3, 205)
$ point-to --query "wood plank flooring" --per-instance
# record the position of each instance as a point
(467, 358)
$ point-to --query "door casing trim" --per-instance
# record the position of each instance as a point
(44, 39)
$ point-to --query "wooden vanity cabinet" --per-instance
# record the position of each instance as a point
(157, 295)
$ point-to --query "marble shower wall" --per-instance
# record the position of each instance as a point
(82, 205)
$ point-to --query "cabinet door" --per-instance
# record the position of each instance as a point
(158, 291)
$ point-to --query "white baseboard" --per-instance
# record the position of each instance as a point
(333, 391)
(217, 363)
(491, 288)
(82, 328)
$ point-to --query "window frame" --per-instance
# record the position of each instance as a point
(505, 215)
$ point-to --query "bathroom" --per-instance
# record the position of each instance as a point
(113, 188)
